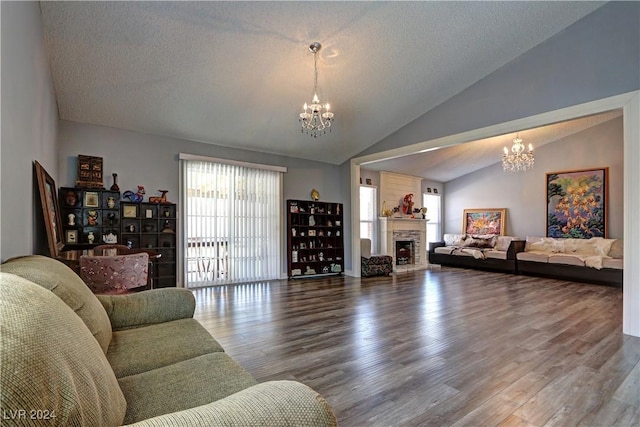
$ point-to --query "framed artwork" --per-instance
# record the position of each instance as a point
(368, 181)
(72, 237)
(50, 210)
(435, 191)
(130, 211)
(484, 221)
(91, 199)
(577, 203)
(428, 189)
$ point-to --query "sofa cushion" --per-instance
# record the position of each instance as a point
(617, 249)
(183, 385)
(503, 242)
(566, 259)
(544, 244)
(494, 254)
(446, 250)
(51, 362)
(532, 256)
(484, 241)
(588, 247)
(454, 239)
(69, 287)
(616, 263)
(133, 351)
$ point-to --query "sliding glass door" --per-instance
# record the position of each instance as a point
(233, 217)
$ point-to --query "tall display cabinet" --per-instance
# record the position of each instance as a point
(314, 238)
(153, 226)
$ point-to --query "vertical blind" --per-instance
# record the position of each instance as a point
(232, 216)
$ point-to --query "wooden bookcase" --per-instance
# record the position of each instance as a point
(152, 226)
(89, 217)
(314, 238)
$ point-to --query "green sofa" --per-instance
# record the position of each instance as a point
(72, 358)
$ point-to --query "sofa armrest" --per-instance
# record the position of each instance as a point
(274, 403)
(148, 307)
(514, 247)
(434, 245)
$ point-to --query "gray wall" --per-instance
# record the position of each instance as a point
(29, 121)
(524, 193)
(152, 161)
(597, 57)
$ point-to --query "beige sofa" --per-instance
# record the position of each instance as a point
(70, 358)
(595, 260)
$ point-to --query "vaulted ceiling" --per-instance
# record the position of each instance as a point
(237, 73)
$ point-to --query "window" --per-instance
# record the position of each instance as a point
(368, 217)
(233, 223)
(432, 203)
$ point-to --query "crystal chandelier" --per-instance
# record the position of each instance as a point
(315, 117)
(517, 160)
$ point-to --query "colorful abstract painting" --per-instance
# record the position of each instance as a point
(576, 203)
(484, 221)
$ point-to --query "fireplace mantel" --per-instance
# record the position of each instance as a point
(390, 228)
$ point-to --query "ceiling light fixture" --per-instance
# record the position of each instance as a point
(517, 160)
(315, 117)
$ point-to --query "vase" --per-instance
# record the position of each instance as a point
(115, 187)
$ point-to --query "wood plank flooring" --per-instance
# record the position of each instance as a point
(441, 347)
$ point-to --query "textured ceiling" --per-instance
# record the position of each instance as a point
(448, 163)
(237, 73)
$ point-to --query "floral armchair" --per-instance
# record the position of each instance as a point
(116, 274)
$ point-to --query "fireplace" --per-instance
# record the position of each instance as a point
(398, 230)
(405, 250)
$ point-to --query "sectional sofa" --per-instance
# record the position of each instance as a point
(595, 260)
(482, 252)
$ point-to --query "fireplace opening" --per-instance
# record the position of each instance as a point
(404, 252)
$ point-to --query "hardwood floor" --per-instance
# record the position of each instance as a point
(438, 347)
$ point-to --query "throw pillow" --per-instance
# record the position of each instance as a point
(454, 239)
(617, 249)
(474, 242)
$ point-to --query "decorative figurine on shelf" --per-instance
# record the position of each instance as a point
(424, 213)
(161, 199)
(72, 219)
(110, 238)
(167, 227)
(112, 218)
(315, 195)
(135, 197)
(71, 198)
(92, 217)
(115, 187)
(312, 220)
(111, 202)
(91, 237)
(407, 204)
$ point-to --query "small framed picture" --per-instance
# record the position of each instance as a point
(148, 213)
(428, 189)
(91, 199)
(435, 190)
(71, 237)
(130, 211)
(312, 233)
(368, 181)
